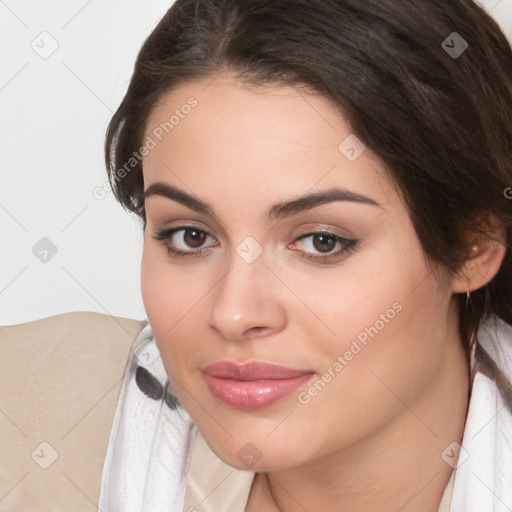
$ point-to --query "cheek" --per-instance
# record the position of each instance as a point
(168, 290)
(352, 297)
(155, 291)
(395, 334)
(172, 300)
(383, 306)
(163, 297)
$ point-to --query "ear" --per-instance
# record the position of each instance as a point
(485, 258)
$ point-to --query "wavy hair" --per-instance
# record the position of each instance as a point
(426, 84)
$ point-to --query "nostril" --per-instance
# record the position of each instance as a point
(257, 331)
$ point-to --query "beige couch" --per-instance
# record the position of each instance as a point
(60, 381)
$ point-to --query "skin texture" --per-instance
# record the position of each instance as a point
(372, 438)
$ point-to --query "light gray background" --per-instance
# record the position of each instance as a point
(54, 111)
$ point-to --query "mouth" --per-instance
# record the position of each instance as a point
(252, 385)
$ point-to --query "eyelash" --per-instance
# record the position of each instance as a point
(350, 246)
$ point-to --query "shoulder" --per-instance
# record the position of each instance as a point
(61, 379)
(85, 326)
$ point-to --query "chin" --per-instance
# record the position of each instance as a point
(259, 455)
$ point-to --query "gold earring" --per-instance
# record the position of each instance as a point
(472, 341)
(472, 356)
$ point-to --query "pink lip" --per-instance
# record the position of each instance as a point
(252, 385)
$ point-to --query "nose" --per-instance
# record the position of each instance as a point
(246, 303)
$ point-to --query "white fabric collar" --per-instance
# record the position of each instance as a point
(483, 478)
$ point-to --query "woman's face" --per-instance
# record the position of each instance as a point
(334, 287)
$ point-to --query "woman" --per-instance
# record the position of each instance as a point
(327, 270)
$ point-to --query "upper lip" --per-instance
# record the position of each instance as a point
(251, 371)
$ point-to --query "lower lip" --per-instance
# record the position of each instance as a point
(253, 394)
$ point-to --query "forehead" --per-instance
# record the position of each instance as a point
(222, 134)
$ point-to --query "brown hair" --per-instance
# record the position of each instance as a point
(439, 117)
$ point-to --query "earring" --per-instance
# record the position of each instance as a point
(472, 341)
(472, 354)
(468, 298)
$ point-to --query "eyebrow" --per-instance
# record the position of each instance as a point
(277, 211)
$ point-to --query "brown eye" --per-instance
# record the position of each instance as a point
(324, 247)
(186, 241)
(194, 238)
(323, 242)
